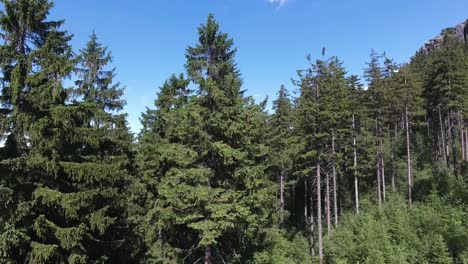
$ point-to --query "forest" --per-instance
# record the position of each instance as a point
(346, 170)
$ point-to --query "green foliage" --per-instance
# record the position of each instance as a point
(212, 175)
(394, 234)
(200, 157)
(283, 248)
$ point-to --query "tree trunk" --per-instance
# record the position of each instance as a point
(356, 189)
(382, 163)
(462, 135)
(208, 255)
(442, 137)
(305, 203)
(392, 159)
(466, 144)
(282, 196)
(335, 200)
(427, 124)
(319, 215)
(408, 153)
(327, 203)
(312, 226)
(379, 196)
(452, 142)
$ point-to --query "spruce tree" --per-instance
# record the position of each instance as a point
(96, 83)
(67, 163)
(35, 57)
(374, 77)
(323, 113)
(160, 149)
(283, 146)
(445, 81)
(213, 192)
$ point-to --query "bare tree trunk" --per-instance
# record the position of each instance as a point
(335, 200)
(305, 203)
(462, 135)
(427, 124)
(393, 171)
(382, 163)
(163, 243)
(282, 196)
(408, 153)
(319, 215)
(466, 144)
(208, 255)
(392, 160)
(327, 203)
(379, 196)
(312, 226)
(452, 142)
(441, 124)
(356, 189)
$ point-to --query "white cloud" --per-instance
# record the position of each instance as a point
(279, 2)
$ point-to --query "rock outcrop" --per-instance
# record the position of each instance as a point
(459, 32)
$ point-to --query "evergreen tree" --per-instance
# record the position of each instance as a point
(213, 177)
(445, 82)
(67, 172)
(96, 83)
(35, 57)
(283, 145)
(323, 114)
(374, 77)
(160, 149)
(213, 193)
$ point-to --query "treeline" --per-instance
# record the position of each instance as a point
(348, 171)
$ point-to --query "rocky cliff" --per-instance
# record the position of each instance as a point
(459, 32)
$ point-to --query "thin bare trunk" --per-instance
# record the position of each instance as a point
(466, 144)
(379, 196)
(208, 255)
(427, 125)
(393, 171)
(319, 215)
(335, 200)
(356, 189)
(327, 203)
(312, 226)
(408, 153)
(305, 203)
(442, 137)
(382, 163)
(452, 142)
(392, 159)
(462, 135)
(282, 196)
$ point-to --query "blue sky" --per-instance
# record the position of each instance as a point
(148, 38)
